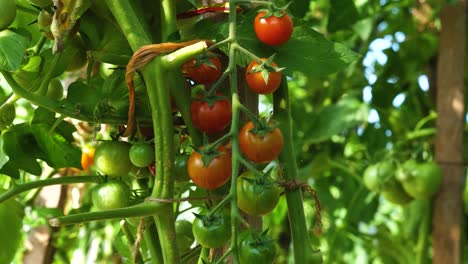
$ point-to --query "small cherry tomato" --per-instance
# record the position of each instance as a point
(211, 115)
(257, 248)
(260, 148)
(212, 231)
(273, 30)
(110, 195)
(141, 154)
(255, 77)
(256, 195)
(212, 175)
(111, 158)
(204, 71)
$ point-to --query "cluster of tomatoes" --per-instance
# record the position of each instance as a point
(210, 166)
(402, 184)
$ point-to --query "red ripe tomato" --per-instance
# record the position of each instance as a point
(213, 175)
(273, 30)
(260, 148)
(211, 118)
(201, 72)
(257, 82)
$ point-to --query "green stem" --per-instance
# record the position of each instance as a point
(17, 189)
(219, 205)
(250, 54)
(139, 210)
(129, 23)
(164, 185)
(232, 69)
(204, 254)
(282, 113)
(152, 238)
(181, 95)
(221, 259)
(44, 84)
(423, 236)
(131, 241)
(248, 165)
(168, 19)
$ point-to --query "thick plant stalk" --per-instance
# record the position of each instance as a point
(297, 223)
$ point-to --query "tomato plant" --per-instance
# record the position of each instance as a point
(256, 195)
(204, 70)
(209, 174)
(260, 146)
(212, 231)
(271, 29)
(256, 247)
(141, 154)
(112, 158)
(261, 78)
(211, 114)
(111, 195)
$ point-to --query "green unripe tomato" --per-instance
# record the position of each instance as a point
(256, 248)
(55, 90)
(110, 195)
(214, 231)
(111, 158)
(141, 154)
(256, 195)
(8, 13)
(378, 175)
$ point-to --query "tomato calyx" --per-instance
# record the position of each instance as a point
(205, 59)
(262, 127)
(263, 180)
(266, 67)
(274, 10)
(210, 98)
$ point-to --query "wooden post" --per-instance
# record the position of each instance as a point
(447, 217)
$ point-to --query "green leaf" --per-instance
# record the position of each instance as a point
(58, 152)
(22, 149)
(83, 97)
(299, 8)
(337, 118)
(13, 46)
(343, 14)
(45, 116)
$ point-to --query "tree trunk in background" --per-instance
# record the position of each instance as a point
(447, 222)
